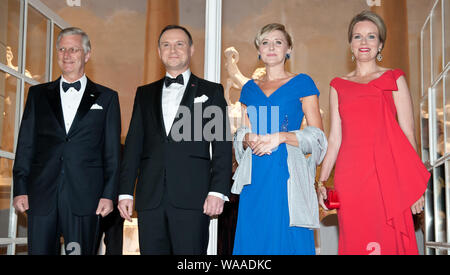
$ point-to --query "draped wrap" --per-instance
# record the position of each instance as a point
(402, 176)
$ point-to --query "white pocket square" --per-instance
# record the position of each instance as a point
(96, 107)
(201, 99)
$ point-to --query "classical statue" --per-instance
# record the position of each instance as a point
(9, 59)
(236, 80)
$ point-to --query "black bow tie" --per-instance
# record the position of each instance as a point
(76, 85)
(169, 81)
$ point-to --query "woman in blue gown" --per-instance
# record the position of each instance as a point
(274, 106)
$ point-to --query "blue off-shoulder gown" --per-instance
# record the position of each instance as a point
(263, 217)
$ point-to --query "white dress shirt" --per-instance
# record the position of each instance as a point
(170, 101)
(70, 100)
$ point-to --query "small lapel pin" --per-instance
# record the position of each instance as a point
(92, 95)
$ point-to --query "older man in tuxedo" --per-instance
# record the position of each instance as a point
(167, 148)
(67, 164)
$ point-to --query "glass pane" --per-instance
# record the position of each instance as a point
(437, 251)
(424, 124)
(22, 225)
(9, 32)
(429, 212)
(36, 45)
(56, 71)
(22, 249)
(437, 40)
(439, 95)
(194, 20)
(439, 200)
(8, 88)
(447, 110)
(3, 249)
(426, 73)
(5, 193)
(27, 88)
(442, 251)
(447, 31)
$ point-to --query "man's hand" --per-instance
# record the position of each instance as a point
(20, 203)
(213, 206)
(105, 206)
(126, 209)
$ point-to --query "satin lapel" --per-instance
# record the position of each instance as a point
(89, 97)
(54, 99)
(188, 97)
(157, 110)
(190, 93)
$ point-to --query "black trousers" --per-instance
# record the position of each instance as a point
(112, 226)
(168, 230)
(79, 232)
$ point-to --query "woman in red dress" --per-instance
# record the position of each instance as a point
(379, 178)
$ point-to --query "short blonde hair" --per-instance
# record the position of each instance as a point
(372, 17)
(270, 28)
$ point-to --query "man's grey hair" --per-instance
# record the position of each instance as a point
(75, 31)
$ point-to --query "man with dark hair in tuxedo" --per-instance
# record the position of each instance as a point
(180, 186)
(67, 165)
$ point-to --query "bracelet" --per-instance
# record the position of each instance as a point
(319, 184)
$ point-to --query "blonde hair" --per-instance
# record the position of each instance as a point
(270, 28)
(372, 17)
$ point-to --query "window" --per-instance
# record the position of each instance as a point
(27, 29)
(435, 126)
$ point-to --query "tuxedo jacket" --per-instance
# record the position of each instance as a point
(160, 160)
(86, 159)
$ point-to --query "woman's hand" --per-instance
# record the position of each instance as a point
(250, 140)
(266, 143)
(322, 195)
(418, 206)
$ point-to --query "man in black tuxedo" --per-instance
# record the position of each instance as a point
(167, 148)
(67, 165)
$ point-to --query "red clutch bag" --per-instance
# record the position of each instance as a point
(332, 201)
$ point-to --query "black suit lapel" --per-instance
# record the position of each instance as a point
(188, 97)
(190, 93)
(89, 97)
(157, 110)
(54, 99)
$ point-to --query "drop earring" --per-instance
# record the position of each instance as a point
(379, 56)
(288, 56)
(353, 57)
(259, 57)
